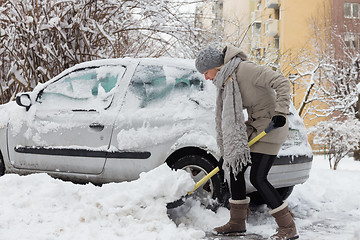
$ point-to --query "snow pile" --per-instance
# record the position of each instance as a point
(39, 207)
(327, 205)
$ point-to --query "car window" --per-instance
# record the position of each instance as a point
(183, 78)
(152, 83)
(89, 88)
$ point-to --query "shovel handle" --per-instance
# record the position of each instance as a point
(217, 169)
(255, 139)
(205, 179)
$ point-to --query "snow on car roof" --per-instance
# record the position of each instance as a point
(188, 63)
(180, 62)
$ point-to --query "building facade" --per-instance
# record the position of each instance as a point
(280, 31)
(345, 18)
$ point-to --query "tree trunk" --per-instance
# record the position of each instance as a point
(337, 160)
(330, 162)
(357, 115)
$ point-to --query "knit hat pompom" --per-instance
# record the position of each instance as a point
(209, 58)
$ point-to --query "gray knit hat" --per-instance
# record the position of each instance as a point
(209, 58)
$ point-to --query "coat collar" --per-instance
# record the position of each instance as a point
(231, 51)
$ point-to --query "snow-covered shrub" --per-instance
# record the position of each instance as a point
(41, 38)
(339, 137)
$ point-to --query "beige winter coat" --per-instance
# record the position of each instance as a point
(257, 84)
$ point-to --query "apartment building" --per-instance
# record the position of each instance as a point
(279, 31)
(273, 27)
(264, 28)
(345, 18)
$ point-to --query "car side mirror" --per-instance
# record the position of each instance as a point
(24, 100)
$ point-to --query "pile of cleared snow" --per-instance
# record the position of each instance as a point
(325, 207)
(39, 207)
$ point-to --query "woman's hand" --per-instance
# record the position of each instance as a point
(278, 120)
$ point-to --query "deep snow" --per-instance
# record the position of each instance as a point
(37, 207)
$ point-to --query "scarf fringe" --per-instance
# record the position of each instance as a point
(237, 165)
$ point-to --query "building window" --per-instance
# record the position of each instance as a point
(277, 43)
(352, 10)
(277, 13)
(351, 40)
(258, 55)
(256, 29)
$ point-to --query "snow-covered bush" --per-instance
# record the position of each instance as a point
(41, 38)
(339, 137)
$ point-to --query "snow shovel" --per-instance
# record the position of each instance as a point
(202, 181)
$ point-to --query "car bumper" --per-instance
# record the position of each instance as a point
(286, 171)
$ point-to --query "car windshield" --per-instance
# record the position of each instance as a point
(83, 89)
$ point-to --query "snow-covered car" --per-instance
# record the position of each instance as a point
(109, 120)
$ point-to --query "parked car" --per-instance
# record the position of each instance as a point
(109, 120)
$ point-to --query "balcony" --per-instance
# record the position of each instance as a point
(256, 16)
(255, 42)
(272, 27)
(272, 3)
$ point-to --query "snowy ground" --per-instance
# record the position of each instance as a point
(37, 207)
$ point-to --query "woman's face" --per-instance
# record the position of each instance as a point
(210, 74)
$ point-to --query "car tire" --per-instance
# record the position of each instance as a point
(2, 166)
(211, 194)
(284, 192)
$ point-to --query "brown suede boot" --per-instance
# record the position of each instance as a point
(239, 210)
(285, 221)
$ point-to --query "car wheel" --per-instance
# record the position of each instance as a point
(2, 166)
(284, 192)
(211, 193)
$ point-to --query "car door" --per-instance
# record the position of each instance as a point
(154, 115)
(68, 128)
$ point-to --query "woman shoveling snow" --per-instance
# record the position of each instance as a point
(241, 83)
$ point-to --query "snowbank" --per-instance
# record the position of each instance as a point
(327, 205)
(37, 207)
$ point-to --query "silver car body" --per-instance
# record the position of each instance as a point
(109, 120)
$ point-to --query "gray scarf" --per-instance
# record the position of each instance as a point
(230, 127)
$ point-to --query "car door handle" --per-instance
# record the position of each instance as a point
(97, 126)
